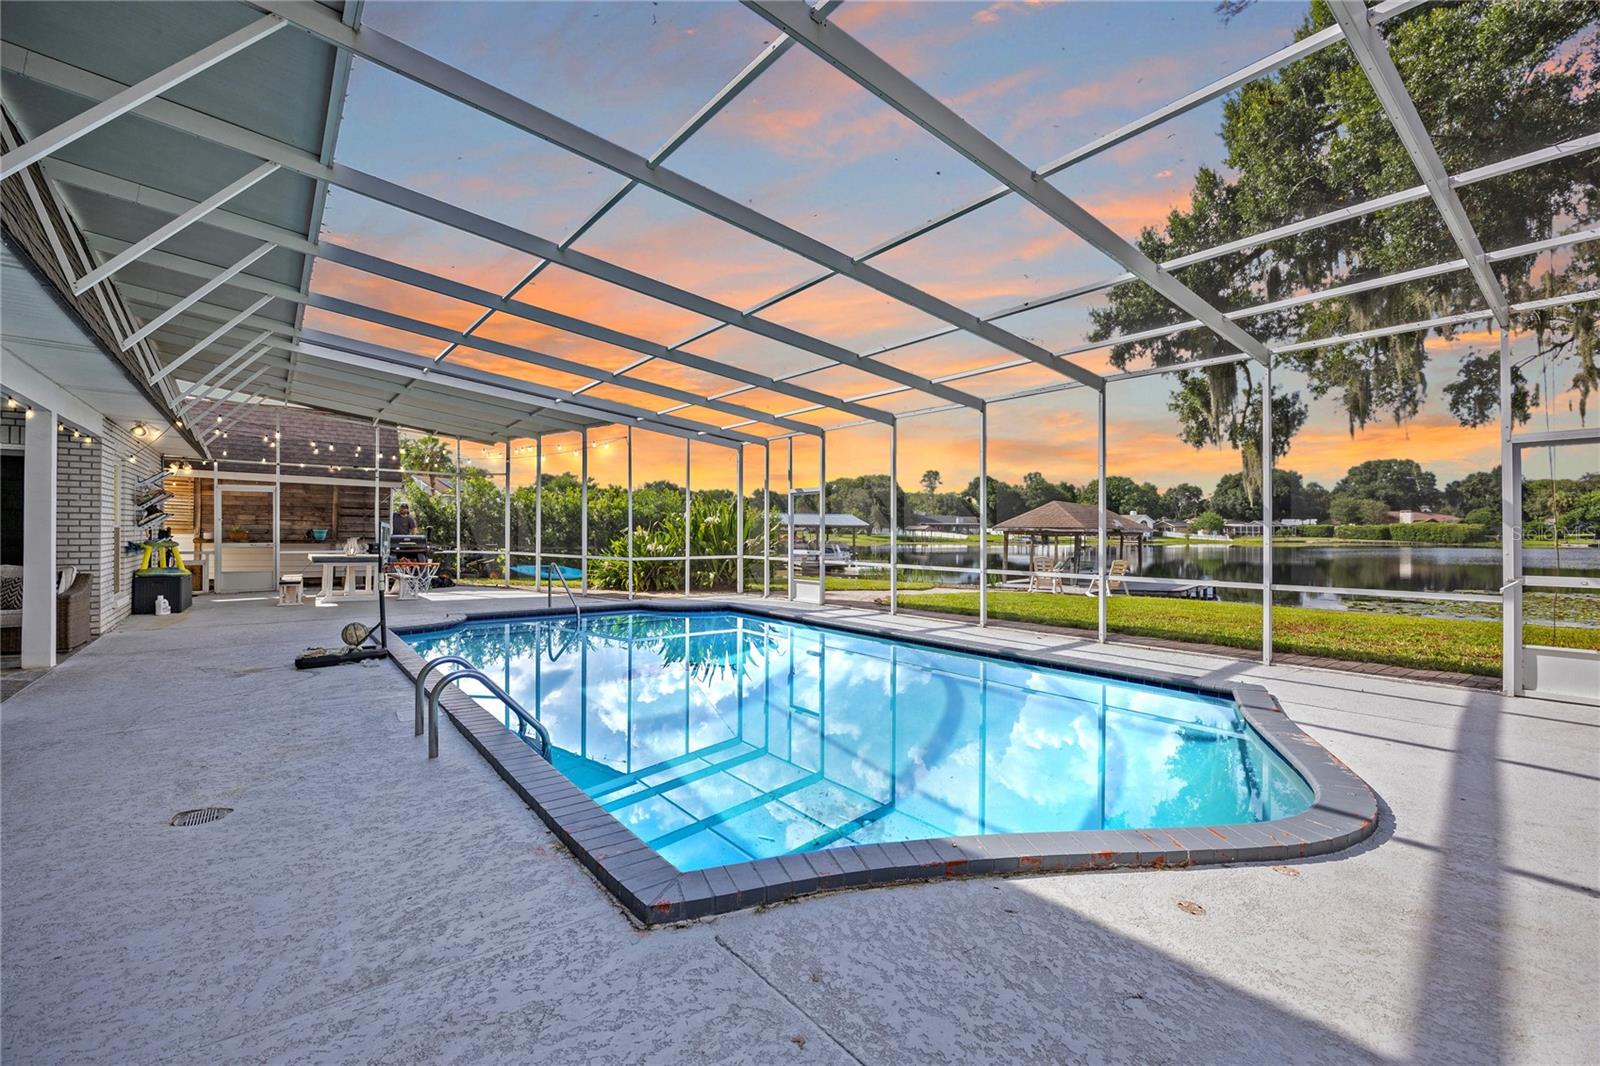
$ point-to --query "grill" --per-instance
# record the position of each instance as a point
(411, 546)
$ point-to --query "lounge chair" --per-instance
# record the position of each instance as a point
(1114, 583)
(1046, 574)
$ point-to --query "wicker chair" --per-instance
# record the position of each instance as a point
(73, 606)
(73, 618)
(10, 609)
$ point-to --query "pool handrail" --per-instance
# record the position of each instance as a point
(474, 674)
(549, 589)
(422, 676)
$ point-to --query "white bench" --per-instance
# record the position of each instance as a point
(291, 590)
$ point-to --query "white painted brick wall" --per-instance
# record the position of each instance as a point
(118, 480)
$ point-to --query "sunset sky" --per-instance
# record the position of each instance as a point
(810, 148)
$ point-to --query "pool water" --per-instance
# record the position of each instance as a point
(721, 737)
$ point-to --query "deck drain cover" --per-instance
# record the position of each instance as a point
(200, 815)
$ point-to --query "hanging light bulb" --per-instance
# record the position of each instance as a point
(87, 441)
(11, 402)
(132, 458)
(180, 423)
(28, 413)
(61, 427)
(141, 430)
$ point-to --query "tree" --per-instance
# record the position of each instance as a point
(1004, 500)
(1476, 491)
(1232, 500)
(1314, 135)
(1038, 491)
(1310, 502)
(1182, 500)
(1584, 512)
(1207, 522)
(1357, 510)
(1400, 483)
(931, 480)
(1235, 500)
(1124, 495)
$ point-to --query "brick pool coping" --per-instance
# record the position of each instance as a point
(1344, 810)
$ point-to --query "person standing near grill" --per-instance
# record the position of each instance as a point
(404, 523)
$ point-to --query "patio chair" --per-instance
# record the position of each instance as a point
(1114, 583)
(73, 609)
(1045, 577)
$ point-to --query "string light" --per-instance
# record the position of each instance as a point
(28, 413)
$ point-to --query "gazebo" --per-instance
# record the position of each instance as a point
(1051, 522)
(836, 521)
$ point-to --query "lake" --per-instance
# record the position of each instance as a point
(1415, 568)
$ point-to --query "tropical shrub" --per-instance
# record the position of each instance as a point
(1363, 532)
(713, 530)
(1438, 533)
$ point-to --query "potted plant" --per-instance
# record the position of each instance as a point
(237, 534)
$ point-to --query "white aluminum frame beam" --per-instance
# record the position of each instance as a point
(724, 96)
(1346, 289)
(384, 268)
(363, 312)
(251, 350)
(135, 95)
(210, 339)
(107, 185)
(459, 85)
(550, 362)
(877, 76)
(1298, 50)
(196, 296)
(176, 226)
(84, 83)
(359, 353)
(1370, 50)
(1525, 161)
(526, 392)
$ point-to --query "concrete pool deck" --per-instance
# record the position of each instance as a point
(363, 904)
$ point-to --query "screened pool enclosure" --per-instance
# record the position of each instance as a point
(756, 259)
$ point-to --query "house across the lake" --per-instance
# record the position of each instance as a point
(1253, 529)
(944, 525)
(1407, 518)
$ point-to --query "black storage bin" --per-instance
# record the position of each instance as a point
(178, 588)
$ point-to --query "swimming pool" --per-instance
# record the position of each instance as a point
(724, 737)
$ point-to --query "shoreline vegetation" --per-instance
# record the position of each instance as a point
(1421, 642)
(1390, 632)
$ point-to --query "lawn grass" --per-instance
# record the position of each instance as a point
(1465, 646)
